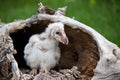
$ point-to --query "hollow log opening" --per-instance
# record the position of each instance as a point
(82, 50)
(21, 37)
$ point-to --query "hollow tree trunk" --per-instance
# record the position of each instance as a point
(88, 55)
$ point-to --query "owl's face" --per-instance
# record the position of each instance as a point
(56, 31)
(60, 35)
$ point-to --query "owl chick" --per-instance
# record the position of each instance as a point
(42, 51)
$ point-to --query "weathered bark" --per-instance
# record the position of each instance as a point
(88, 50)
(1, 24)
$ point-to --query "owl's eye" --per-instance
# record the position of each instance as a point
(58, 33)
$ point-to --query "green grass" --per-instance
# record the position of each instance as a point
(102, 15)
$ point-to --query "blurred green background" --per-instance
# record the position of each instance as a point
(102, 15)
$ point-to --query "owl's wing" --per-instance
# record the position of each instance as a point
(34, 38)
(28, 48)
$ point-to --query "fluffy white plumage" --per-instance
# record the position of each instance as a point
(42, 50)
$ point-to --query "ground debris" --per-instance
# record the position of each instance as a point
(65, 74)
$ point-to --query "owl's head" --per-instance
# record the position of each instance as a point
(56, 31)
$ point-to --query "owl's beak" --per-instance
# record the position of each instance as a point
(64, 39)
